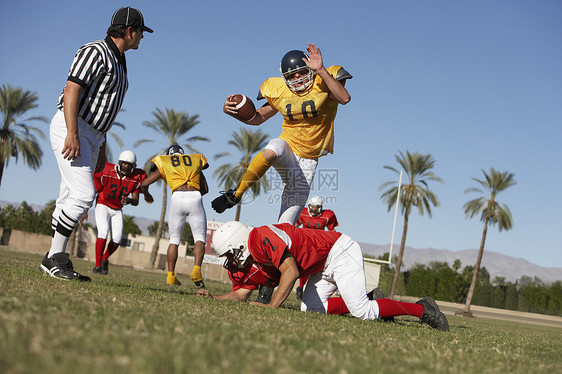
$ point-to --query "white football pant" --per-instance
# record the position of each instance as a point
(343, 271)
(187, 204)
(76, 193)
(108, 219)
(297, 174)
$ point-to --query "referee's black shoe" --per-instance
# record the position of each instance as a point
(59, 266)
(225, 201)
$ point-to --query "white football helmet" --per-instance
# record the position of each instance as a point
(315, 206)
(232, 238)
(127, 162)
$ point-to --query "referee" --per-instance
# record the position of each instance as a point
(87, 108)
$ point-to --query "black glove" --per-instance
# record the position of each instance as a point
(264, 295)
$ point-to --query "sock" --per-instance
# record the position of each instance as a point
(111, 248)
(391, 308)
(302, 281)
(100, 246)
(256, 170)
(336, 305)
(65, 226)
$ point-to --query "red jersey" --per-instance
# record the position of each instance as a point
(253, 276)
(309, 247)
(110, 187)
(326, 219)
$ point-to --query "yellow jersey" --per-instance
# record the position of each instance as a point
(178, 170)
(308, 119)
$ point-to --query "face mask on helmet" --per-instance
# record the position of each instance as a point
(315, 206)
(297, 76)
(127, 162)
(231, 241)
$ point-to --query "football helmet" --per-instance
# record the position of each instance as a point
(231, 240)
(315, 206)
(293, 63)
(175, 150)
(127, 162)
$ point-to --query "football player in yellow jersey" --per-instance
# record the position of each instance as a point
(184, 175)
(307, 95)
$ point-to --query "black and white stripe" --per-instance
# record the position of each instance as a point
(101, 70)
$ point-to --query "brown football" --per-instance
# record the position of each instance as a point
(245, 106)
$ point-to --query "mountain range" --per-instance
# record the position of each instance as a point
(496, 263)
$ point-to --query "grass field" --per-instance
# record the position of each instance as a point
(131, 322)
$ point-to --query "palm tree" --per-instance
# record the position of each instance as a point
(491, 213)
(249, 143)
(172, 126)
(16, 137)
(415, 194)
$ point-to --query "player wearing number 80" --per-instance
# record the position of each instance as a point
(307, 95)
(184, 174)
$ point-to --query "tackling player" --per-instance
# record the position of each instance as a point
(333, 261)
(184, 175)
(307, 96)
(113, 185)
(252, 277)
(314, 217)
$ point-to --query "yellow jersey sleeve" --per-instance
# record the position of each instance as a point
(308, 119)
(178, 170)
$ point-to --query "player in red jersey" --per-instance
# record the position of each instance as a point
(333, 261)
(314, 217)
(252, 277)
(113, 185)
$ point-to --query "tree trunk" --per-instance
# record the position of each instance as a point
(158, 235)
(1, 171)
(466, 311)
(399, 260)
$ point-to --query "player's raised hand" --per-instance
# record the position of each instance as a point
(315, 57)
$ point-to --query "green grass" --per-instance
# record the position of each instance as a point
(131, 322)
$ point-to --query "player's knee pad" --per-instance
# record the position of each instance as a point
(279, 146)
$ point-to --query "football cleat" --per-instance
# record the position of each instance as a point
(432, 315)
(172, 280)
(104, 267)
(199, 284)
(59, 266)
(377, 294)
(225, 201)
(300, 293)
(96, 270)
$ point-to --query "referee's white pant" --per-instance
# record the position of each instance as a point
(77, 190)
(296, 174)
(343, 271)
(109, 220)
(187, 204)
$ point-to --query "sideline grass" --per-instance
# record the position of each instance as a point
(131, 322)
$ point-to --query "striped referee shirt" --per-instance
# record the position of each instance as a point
(101, 70)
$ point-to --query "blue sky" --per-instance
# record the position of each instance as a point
(476, 84)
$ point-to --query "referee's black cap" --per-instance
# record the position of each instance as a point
(129, 17)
